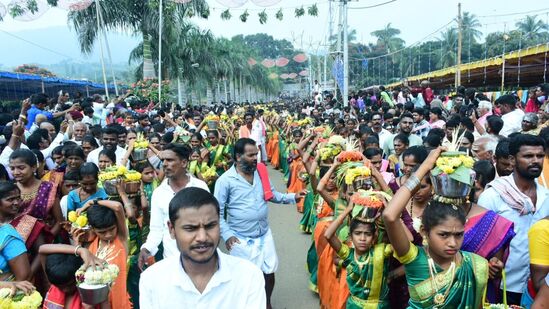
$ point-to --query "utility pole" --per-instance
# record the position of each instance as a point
(458, 62)
(345, 93)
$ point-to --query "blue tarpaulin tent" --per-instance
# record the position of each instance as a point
(19, 86)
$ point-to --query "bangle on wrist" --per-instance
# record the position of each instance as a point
(76, 250)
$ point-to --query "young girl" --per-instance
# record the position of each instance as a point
(439, 275)
(108, 222)
(89, 177)
(366, 263)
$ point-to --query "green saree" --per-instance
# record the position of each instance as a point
(466, 288)
(367, 282)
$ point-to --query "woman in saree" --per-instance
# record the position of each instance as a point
(14, 263)
(439, 274)
(218, 156)
(38, 198)
(308, 220)
(295, 182)
(487, 233)
(275, 156)
(33, 232)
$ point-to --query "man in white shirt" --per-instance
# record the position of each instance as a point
(520, 199)
(406, 125)
(175, 159)
(200, 276)
(511, 115)
(109, 140)
(382, 134)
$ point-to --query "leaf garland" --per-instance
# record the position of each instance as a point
(244, 16)
(279, 15)
(262, 17)
(299, 12)
(226, 15)
(313, 10)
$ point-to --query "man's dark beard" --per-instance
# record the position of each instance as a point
(246, 167)
(525, 173)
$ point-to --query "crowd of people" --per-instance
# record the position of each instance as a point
(384, 234)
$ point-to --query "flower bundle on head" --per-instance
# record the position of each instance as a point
(19, 299)
(91, 276)
(329, 151)
(448, 165)
(348, 171)
(78, 221)
(141, 142)
(305, 122)
(212, 117)
(114, 172)
(350, 152)
(355, 172)
(324, 131)
(367, 205)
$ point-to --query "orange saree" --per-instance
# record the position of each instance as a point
(296, 184)
(275, 156)
(115, 253)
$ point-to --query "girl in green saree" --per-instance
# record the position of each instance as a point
(367, 263)
(439, 275)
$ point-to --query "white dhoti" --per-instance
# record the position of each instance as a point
(261, 251)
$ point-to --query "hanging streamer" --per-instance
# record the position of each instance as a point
(304, 73)
(252, 61)
(284, 76)
(292, 75)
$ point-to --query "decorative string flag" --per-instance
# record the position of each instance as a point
(239, 3)
(304, 73)
(273, 75)
(251, 61)
(282, 62)
(300, 58)
(284, 76)
(74, 5)
(292, 75)
(268, 63)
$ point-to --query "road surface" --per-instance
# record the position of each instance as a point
(292, 279)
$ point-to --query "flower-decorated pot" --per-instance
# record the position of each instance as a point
(110, 187)
(448, 187)
(139, 154)
(93, 294)
(132, 187)
(212, 124)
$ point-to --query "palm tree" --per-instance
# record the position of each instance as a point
(448, 40)
(388, 39)
(531, 27)
(140, 17)
(470, 26)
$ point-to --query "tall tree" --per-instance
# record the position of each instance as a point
(531, 27)
(470, 27)
(388, 39)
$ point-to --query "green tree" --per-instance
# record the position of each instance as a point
(388, 39)
(532, 28)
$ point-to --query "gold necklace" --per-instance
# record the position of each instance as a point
(440, 298)
(358, 262)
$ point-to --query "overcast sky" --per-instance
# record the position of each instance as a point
(416, 19)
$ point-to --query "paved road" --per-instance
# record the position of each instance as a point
(292, 279)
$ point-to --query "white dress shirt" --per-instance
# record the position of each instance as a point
(517, 267)
(512, 122)
(383, 136)
(160, 204)
(237, 283)
(93, 156)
